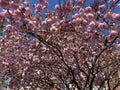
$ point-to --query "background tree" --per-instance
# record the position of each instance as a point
(75, 46)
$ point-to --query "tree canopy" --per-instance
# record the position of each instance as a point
(75, 46)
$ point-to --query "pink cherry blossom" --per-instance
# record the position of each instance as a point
(116, 16)
(112, 35)
(92, 24)
(79, 2)
(88, 9)
(90, 16)
(28, 11)
(108, 15)
(102, 7)
(26, 3)
(13, 5)
(4, 3)
(38, 8)
(57, 7)
(111, 1)
(102, 25)
(119, 5)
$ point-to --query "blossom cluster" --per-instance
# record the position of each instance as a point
(76, 44)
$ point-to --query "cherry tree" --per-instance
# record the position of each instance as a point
(75, 46)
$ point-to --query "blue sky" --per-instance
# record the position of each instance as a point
(52, 3)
